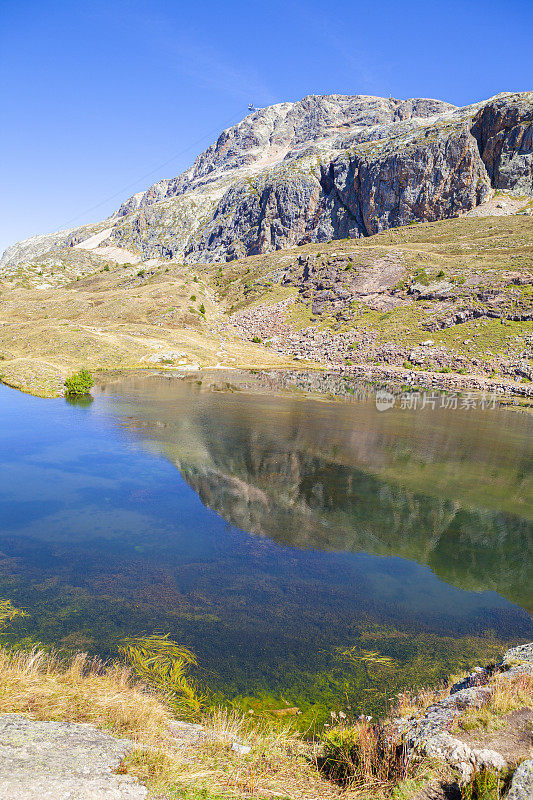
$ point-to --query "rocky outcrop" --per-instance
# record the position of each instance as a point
(62, 760)
(326, 167)
(431, 732)
(504, 132)
(523, 654)
(269, 135)
(428, 176)
(522, 785)
(374, 185)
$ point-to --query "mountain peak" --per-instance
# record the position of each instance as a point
(321, 168)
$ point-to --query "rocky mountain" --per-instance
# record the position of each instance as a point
(326, 167)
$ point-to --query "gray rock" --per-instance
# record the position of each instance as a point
(523, 654)
(522, 785)
(438, 290)
(479, 677)
(466, 759)
(504, 132)
(62, 761)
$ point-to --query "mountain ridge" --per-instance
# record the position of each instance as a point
(325, 167)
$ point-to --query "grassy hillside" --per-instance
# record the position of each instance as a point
(450, 296)
(474, 255)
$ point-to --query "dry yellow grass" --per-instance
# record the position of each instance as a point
(508, 695)
(414, 704)
(279, 763)
(46, 687)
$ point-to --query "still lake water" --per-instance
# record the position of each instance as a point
(286, 539)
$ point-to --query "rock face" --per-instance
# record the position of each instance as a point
(504, 132)
(52, 760)
(326, 167)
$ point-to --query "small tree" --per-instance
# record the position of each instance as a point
(79, 384)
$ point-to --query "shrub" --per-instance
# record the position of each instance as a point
(193, 297)
(79, 384)
(256, 340)
(440, 274)
(365, 755)
(202, 309)
(421, 276)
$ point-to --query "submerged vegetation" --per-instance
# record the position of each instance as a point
(8, 613)
(305, 617)
(164, 665)
(232, 754)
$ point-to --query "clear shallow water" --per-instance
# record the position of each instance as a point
(282, 538)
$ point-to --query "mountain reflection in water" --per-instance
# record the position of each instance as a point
(449, 489)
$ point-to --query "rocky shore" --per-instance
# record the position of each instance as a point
(435, 735)
(53, 760)
(358, 354)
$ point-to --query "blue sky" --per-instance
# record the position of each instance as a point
(100, 98)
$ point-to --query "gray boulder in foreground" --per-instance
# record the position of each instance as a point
(522, 785)
(62, 761)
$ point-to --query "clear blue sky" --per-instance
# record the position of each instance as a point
(96, 95)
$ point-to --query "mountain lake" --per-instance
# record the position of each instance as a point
(314, 552)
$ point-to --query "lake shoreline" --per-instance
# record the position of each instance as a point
(456, 736)
(43, 379)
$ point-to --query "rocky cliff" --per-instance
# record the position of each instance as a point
(326, 167)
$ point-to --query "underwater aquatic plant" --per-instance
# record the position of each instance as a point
(164, 665)
(8, 612)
